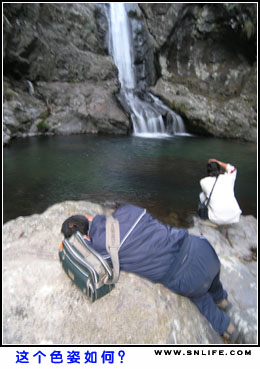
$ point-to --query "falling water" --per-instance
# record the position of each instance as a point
(121, 45)
(150, 117)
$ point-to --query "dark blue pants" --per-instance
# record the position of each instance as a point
(196, 276)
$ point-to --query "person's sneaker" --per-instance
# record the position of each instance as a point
(233, 334)
(224, 305)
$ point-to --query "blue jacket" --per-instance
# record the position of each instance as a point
(149, 248)
(186, 264)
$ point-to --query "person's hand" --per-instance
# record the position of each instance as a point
(220, 163)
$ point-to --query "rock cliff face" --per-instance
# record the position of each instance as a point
(42, 306)
(199, 58)
(58, 75)
(207, 55)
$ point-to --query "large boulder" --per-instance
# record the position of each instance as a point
(82, 108)
(236, 247)
(42, 306)
(231, 118)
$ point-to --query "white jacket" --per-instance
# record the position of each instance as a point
(223, 207)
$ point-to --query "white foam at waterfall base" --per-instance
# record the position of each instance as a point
(177, 125)
(147, 118)
(152, 135)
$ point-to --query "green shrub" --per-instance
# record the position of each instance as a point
(42, 126)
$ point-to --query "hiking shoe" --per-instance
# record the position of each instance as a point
(233, 334)
(224, 305)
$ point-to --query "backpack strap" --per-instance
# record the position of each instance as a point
(208, 199)
(113, 245)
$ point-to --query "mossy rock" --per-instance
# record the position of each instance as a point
(42, 126)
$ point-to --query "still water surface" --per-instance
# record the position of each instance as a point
(161, 175)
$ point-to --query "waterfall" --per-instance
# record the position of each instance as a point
(121, 45)
(149, 116)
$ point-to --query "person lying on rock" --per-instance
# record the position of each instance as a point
(223, 207)
(186, 264)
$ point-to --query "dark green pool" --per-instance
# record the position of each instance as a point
(159, 174)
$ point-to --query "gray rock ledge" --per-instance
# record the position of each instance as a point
(42, 306)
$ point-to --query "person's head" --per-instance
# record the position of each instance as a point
(213, 169)
(73, 224)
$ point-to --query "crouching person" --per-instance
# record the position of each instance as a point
(188, 265)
